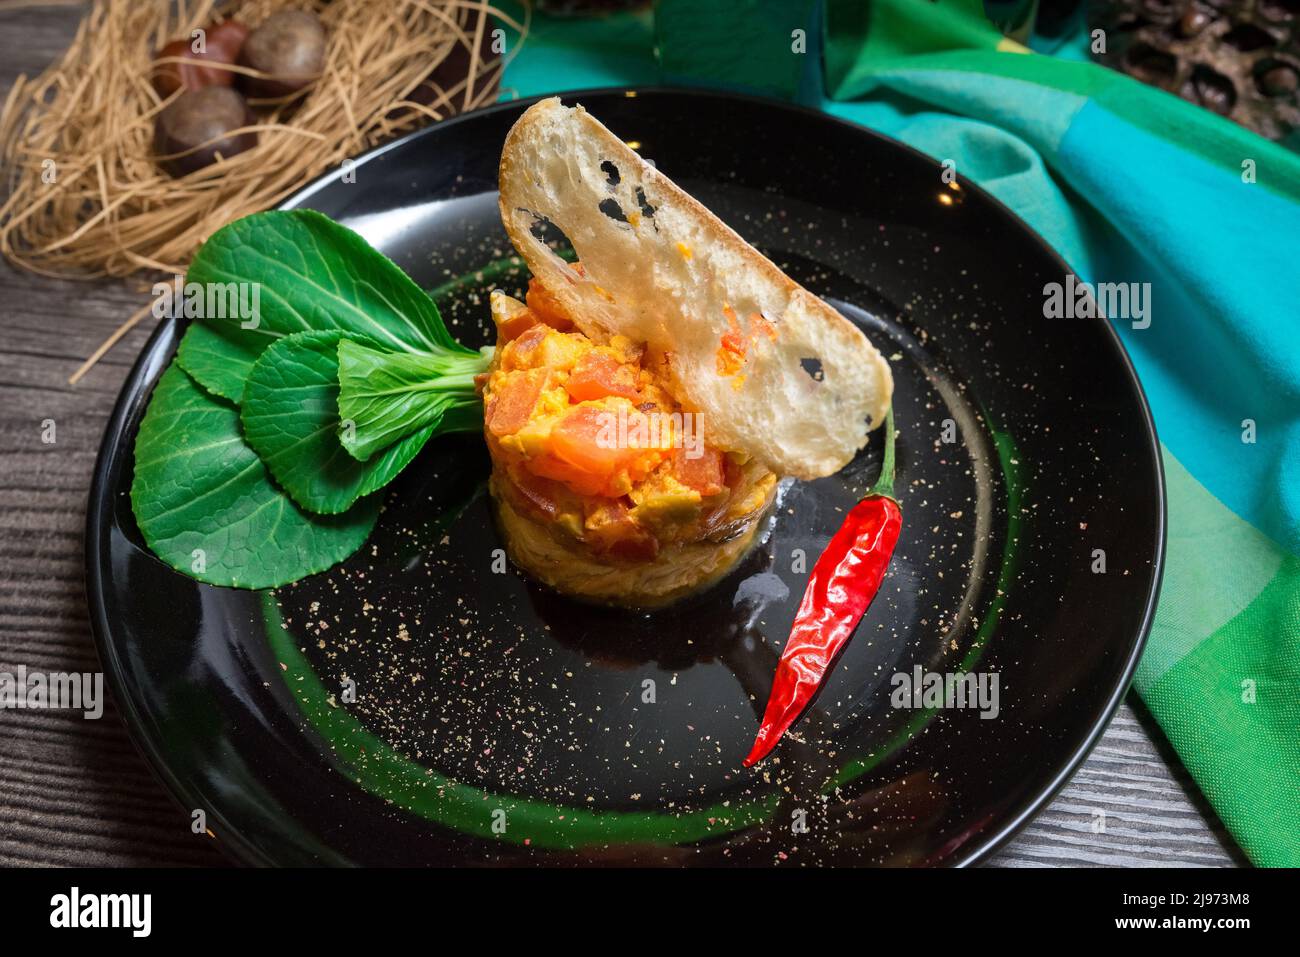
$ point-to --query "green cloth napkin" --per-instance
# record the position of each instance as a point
(1130, 185)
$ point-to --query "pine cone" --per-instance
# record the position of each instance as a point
(1239, 58)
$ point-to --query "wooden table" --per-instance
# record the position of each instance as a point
(75, 792)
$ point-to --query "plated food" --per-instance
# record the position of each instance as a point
(481, 688)
(640, 406)
(643, 402)
(604, 486)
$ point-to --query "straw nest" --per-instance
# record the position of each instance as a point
(84, 195)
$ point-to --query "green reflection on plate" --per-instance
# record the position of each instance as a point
(380, 770)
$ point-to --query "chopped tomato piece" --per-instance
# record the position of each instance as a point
(599, 374)
(703, 473)
(546, 307)
(514, 326)
(549, 466)
(587, 452)
(512, 403)
(526, 351)
(587, 438)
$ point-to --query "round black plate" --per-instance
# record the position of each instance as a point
(420, 705)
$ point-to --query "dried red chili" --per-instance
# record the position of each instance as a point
(843, 583)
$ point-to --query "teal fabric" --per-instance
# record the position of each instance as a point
(1220, 255)
(576, 53)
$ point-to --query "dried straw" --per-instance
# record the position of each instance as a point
(84, 195)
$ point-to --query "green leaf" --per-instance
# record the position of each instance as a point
(384, 396)
(207, 506)
(290, 416)
(309, 274)
(221, 364)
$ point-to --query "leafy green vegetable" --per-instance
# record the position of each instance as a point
(206, 506)
(259, 453)
(221, 364)
(385, 396)
(290, 417)
(309, 274)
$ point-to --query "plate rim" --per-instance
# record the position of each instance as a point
(154, 356)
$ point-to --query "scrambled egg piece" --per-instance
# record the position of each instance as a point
(607, 487)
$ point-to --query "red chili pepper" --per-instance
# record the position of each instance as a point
(843, 582)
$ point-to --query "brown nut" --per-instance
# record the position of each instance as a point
(221, 44)
(289, 48)
(194, 129)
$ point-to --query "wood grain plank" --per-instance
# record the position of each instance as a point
(75, 792)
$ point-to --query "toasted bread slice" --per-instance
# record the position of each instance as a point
(773, 370)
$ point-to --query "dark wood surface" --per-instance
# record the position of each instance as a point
(75, 792)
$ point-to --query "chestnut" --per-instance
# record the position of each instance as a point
(221, 44)
(1277, 79)
(198, 125)
(289, 48)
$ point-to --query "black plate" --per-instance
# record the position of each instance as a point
(497, 723)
